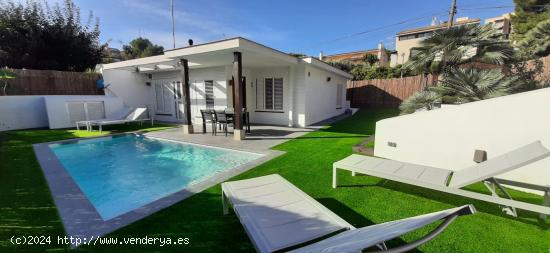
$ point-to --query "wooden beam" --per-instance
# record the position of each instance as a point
(238, 133)
(188, 126)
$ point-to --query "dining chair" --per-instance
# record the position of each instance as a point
(222, 119)
(208, 117)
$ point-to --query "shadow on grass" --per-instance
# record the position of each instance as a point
(357, 220)
(523, 216)
(368, 116)
(309, 137)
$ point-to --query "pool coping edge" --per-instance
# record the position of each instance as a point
(79, 217)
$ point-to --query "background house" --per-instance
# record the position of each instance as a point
(359, 56)
(279, 89)
(407, 39)
(501, 23)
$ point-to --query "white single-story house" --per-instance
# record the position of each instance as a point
(277, 88)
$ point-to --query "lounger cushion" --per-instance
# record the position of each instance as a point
(277, 215)
(394, 170)
(138, 113)
(501, 164)
(120, 114)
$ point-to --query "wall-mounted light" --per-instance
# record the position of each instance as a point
(150, 76)
(328, 79)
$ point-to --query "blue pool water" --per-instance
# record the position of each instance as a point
(121, 173)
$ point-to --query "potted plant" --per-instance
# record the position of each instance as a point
(6, 74)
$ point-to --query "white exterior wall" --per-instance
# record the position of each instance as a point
(320, 95)
(22, 112)
(58, 114)
(299, 97)
(447, 137)
(304, 97)
(128, 85)
(197, 90)
(258, 115)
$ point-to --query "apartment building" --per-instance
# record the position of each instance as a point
(407, 39)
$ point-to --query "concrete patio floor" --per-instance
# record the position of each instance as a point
(259, 140)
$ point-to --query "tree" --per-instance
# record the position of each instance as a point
(362, 71)
(371, 59)
(141, 47)
(5, 75)
(537, 40)
(297, 55)
(469, 85)
(527, 14)
(449, 48)
(419, 100)
(36, 36)
(462, 86)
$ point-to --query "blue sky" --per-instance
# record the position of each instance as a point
(290, 26)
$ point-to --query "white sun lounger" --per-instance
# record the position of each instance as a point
(451, 181)
(277, 216)
(139, 114)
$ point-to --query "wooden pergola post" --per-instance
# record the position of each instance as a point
(188, 125)
(238, 133)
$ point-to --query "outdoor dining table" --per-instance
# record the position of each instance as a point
(246, 119)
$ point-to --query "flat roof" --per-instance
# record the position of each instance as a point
(210, 53)
(375, 50)
(437, 27)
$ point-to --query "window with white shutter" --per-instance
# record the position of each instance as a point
(271, 94)
(268, 93)
(209, 94)
(278, 94)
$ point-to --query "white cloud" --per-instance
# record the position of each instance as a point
(184, 19)
(203, 28)
(163, 38)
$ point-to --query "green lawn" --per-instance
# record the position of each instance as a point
(26, 207)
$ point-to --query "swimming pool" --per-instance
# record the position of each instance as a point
(121, 173)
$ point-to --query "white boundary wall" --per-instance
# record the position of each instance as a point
(447, 137)
(58, 114)
(26, 112)
(20, 112)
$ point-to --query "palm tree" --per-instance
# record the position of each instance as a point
(468, 85)
(537, 40)
(449, 48)
(419, 100)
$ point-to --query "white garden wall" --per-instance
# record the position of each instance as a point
(26, 112)
(57, 108)
(447, 137)
(22, 112)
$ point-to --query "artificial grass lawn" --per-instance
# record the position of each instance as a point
(27, 208)
(26, 205)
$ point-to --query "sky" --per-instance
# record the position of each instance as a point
(299, 26)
